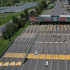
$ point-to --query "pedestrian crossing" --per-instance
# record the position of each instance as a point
(49, 56)
(38, 56)
(13, 63)
(17, 55)
(54, 27)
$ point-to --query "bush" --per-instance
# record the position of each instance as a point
(16, 21)
(26, 14)
(22, 15)
(38, 11)
(22, 23)
(10, 29)
(41, 7)
(6, 34)
(0, 22)
(16, 1)
(32, 13)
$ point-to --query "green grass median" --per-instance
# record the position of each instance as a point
(7, 17)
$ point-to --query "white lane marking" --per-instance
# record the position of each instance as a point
(46, 42)
(51, 65)
(36, 65)
(56, 42)
(40, 42)
(51, 42)
(61, 42)
(56, 34)
(58, 67)
(66, 42)
(66, 65)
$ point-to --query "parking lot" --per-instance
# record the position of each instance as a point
(48, 39)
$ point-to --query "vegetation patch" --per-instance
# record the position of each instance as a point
(4, 42)
(19, 24)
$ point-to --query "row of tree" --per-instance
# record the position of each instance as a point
(6, 1)
(15, 1)
(12, 28)
(69, 2)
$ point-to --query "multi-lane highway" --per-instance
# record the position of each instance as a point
(57, 10)
(48, 40)
(14, 9)
(59, 33)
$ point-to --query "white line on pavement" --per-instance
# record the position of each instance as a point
(36, 65)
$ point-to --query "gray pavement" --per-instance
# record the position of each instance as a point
(58, 38)
(47, 48)
(57, 10)
(17, 8)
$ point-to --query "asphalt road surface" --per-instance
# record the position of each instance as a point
(57, 10)
(16, 8)
(54, 40)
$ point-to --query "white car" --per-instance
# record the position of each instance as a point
(36, 52)
(46, 64)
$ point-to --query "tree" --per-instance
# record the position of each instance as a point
(41, 6)
(16, 21)
(26, 14)
(3, 1)
(6, 34)
(10, 29)
(0, 22)
(22, 15)
(38, 11)
(69, 2)
(44, 4)
(32, 13)
(0, 2)
(34, 0)
(22, 23)
(16, 1)
(29, 0)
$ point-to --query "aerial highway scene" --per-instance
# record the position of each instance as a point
(35, 35)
